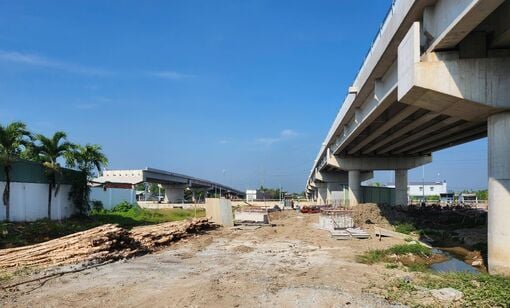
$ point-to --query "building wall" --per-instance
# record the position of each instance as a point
(251, 195)
(112, 196)
(430, 189)
(29, 202)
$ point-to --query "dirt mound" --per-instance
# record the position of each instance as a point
(371, 213)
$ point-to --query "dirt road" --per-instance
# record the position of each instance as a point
(291, 265)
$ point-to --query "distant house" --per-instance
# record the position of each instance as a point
(420, 189)
(251, 195)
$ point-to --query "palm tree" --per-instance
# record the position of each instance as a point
(49, 151)
(87, 159)
(12, 138)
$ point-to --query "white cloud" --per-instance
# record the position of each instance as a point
(86, 106)
(173, 75)
(288, 133)
(284, 135)
(39, 61)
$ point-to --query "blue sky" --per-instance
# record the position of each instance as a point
(241, 92)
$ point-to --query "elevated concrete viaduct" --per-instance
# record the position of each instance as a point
(437, 75)
(174, 183)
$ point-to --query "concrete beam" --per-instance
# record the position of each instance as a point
(448, 22)
(336, 177)
(443, 134)
(385, 93)
(413, 125)
(455, 138)
(468, 89)
(418, 135)
(500, 24)
(378, 163)
(399, 117)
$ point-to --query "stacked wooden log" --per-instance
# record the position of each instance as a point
(153, 237)
(100, 244)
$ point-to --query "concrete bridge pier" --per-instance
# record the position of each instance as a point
(401, 187)
(499, 194)
(354, 187)
(174, 193)
(322, 193)
(332, 188)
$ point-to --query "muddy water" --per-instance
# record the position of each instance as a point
(452, 264)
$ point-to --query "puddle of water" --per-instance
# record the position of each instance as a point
(452, 264)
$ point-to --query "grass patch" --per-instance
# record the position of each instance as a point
(405, 228)
(372, 256)
(125, 215)
(415, 249)
(418, 267)
(480, 290)
(381, 255)
(129, 216)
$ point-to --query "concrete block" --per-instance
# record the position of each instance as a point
(251, 216)
(219, 211)
(332, 222)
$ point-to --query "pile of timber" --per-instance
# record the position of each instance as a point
(155, 236)
(104, 243)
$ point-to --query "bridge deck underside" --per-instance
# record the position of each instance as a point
(406, 130)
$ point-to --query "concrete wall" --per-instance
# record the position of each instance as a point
(219, 211)
(112, 196)
(29, 202)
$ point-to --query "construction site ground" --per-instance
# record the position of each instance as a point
(292, 264)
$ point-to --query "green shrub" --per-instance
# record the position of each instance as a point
(124, 206)
(405, 228)
(415, 249)
(380, 255)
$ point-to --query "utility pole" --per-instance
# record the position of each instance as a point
(423, 183)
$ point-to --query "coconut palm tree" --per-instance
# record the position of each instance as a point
(49, 150)
(13, 137)
(87, 159)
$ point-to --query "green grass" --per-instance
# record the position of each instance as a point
(20, 234)
(418, 267)
(480, 290)
(415, 249)
(136, 216)
(405, 228)
(372, 256)
(381, 255)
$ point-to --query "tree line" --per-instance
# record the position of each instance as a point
(17, 142)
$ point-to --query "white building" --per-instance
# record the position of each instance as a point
(251, 195)
(419, 189)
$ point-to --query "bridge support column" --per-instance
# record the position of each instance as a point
(174, 194)
(354, 187)
(499, 194)
(322, 194)
(332, 188)
(401, 187)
